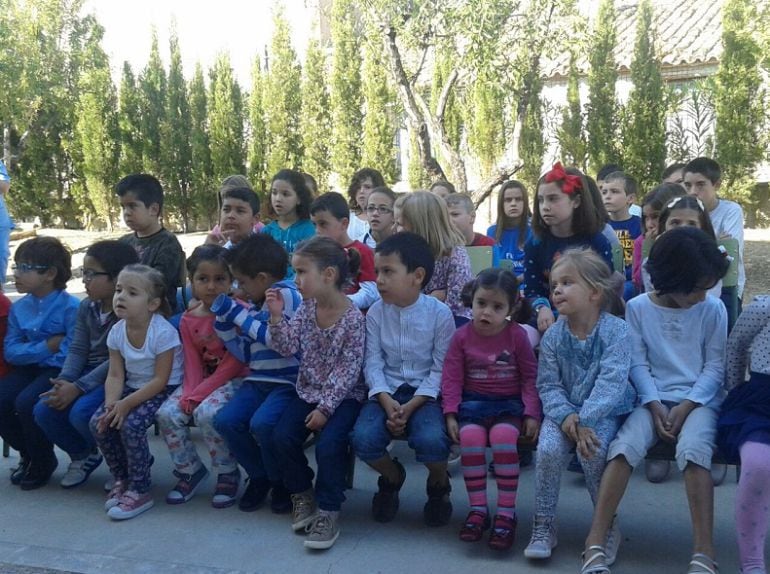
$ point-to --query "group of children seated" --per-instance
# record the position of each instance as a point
(359, 320)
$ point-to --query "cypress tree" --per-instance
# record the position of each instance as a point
(378, 149)
(257, 127)
(571, 134)
(485, 118)
(152, 85)
(204, 203)
(532, 144)
(225, 121)
(315, 122)
(129, 123)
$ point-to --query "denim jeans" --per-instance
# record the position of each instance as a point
(331, 451)
(69, 429)
(425, 430)
(247, 423)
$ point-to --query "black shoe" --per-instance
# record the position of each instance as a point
(280, 499)
(385, 502)
(575, 466)
(38, 475)
(17, 474)
(254, 495)
(438, 509)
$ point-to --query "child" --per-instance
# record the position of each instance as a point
(290, 201)
(40, 329)
(565, 216)
(145, 367)
(328, 332)
(463, 215)
(407, 336)
(618, 194)
(679, 385)
(361, 185)
(64, 411)
(442, 188)
(216, 236)
(743, 429)
(141, 198)
(239, 214)
(512, 231)
(247, 420)
(330, 215)
(426, 215)
(674, 173)
(583, 383)
(379, 212)
(703, 178)
(489, 397)
(601, 178)
(207, 368)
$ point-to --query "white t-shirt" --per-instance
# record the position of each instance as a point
(140, 363)
(357, 228)
(727, 219)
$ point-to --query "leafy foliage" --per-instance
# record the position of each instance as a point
(225, 121)
(315, 121)
(571, 133)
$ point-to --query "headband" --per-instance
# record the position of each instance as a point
(673, 202)
(569, 182)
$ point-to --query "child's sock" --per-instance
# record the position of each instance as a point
(752, 504)
(473, 458)
(503, 438)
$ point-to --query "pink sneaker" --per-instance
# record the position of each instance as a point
(131, 504)
(116, 491)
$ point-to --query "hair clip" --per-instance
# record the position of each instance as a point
(569, 182)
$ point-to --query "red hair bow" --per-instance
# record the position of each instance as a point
(569, 182)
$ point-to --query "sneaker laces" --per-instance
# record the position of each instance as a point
(321, 526)
(303, 505)
(541, 531)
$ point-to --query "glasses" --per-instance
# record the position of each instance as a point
(89, 274)
(27, 267)
(381, 209)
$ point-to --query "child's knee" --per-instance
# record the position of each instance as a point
(430, 444)
(43, 414)
(504, 434)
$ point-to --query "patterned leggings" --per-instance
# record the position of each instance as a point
(176, 432)
(554, 451)
(126, 450)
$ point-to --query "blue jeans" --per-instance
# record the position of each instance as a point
(425, 430)
(733, 305)
(331, 451)
(68, 429)
(247, 423)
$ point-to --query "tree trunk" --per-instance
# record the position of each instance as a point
(500, 176)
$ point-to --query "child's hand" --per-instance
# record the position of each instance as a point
(274, 303)
(545, 318)
(660, 418)
(453, 428)
(316, 420)
(677, 415)
(62, 394)
(439, 294)
(119, 414)
(53, 343)
(103, 423)
(531, 427)
(587, 443)
(569, 427)
(188, 405)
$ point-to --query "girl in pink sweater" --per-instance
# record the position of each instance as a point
(489, 398)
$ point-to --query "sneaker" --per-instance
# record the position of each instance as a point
(109, 484)
(503, 533)
(438, 510)
(718, 473)
(280, 499)
(79, 470)
(304, 510)
(226, 490)
(186, 486)
(254, 495)
(385, 502)
(131, 504)
(38, 475)
(657, 470)
(113, 497)
(17, 473)
(612, 541)
(322, 532)
(543, 539)
(475, 525)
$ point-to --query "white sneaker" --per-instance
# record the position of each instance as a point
(131, 504)
(79, 470)
(612, 541)
(657, 470)
(323, 532)
(543, 539)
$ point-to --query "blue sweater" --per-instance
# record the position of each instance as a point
(298, 231)
(508, 248)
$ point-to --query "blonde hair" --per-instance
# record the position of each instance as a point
(427, 215)
(594, 272)
(156, 284)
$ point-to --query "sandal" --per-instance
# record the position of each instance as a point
(475, 525)
(596, 563)
(702, 564)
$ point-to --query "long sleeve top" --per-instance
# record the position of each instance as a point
(749, 342)
(450, 274)
(162, 251)
(244, 331)
(727, 219)
(289, 237)
(407, 345)
(678, 354)
(500, 365)
(207, 363)
(330, 371)
(364, 291)
(588, 377)
(508, 249)
(32, 321)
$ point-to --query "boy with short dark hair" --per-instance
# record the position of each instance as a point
(463, 216)
(247, 421)
(703, 178)
(330, 213)
(618, 194)
(238, 215)
(407, 336)
(141, 198)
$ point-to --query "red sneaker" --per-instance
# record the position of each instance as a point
(475, 525)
